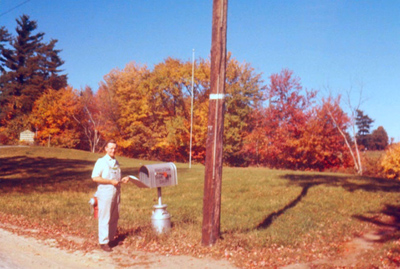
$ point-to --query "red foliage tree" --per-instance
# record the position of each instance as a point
(291, 132)
(276, 135)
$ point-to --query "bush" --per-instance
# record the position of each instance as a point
(372, 161)
(391, 162)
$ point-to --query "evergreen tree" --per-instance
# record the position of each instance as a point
(29, 67)
(5, 38)
(363, 123)
(50, 62)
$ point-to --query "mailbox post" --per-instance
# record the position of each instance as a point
(160, 219)
(158, 176)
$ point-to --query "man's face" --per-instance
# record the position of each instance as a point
(111, 148)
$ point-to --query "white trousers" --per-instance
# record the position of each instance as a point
(108, 198)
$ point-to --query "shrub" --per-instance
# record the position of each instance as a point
(391, 162)
(372, 161)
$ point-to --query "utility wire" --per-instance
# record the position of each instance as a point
(11, 9)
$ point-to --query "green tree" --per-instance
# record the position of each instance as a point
(363, 123)
(5, 38)
(244, 92)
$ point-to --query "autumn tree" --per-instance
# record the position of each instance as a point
(277, 125)
(244, 92)
(172, 91)
(89, 120)
(125, 102)
(29, 67)
(283, 122)
(350, 140)
(170, 84)
(391, 162)
(379, 139)
(53, 116)
(255, 141)
(326, 136)
(150, 109)
(200, 106)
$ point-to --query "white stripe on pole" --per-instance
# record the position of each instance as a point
(215, 96)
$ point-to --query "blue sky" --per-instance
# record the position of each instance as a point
(345, 46)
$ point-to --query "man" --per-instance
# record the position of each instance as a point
(107, 175)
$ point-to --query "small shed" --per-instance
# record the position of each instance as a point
(27, 136)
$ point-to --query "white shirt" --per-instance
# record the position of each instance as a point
(107, 168)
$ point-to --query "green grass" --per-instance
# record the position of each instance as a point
(283, 216)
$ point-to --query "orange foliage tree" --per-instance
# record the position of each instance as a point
(149, 111)
(278, 125)
(322, 145)
(125, 102)
(53, 117)
(171, 85)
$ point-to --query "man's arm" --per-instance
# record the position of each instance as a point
(101, 180)
(97, 172)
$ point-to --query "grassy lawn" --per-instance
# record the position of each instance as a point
(269, 217)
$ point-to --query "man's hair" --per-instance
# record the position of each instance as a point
(111, 141)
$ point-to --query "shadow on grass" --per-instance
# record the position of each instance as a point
(349, 183)
(388, 222)
(26, 174)
(268, 220)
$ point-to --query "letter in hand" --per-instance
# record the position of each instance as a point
(125, 180)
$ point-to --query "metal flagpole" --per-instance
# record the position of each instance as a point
(191, 112)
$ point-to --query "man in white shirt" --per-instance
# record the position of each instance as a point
(107, 175)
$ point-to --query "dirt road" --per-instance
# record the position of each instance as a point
(27, 252)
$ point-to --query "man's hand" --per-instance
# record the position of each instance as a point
(115, 183)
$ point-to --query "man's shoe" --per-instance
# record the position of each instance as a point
(106, 247)
(113, 243)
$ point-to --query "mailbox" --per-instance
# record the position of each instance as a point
(158, 175)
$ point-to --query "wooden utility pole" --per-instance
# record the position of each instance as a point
(215, 128)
